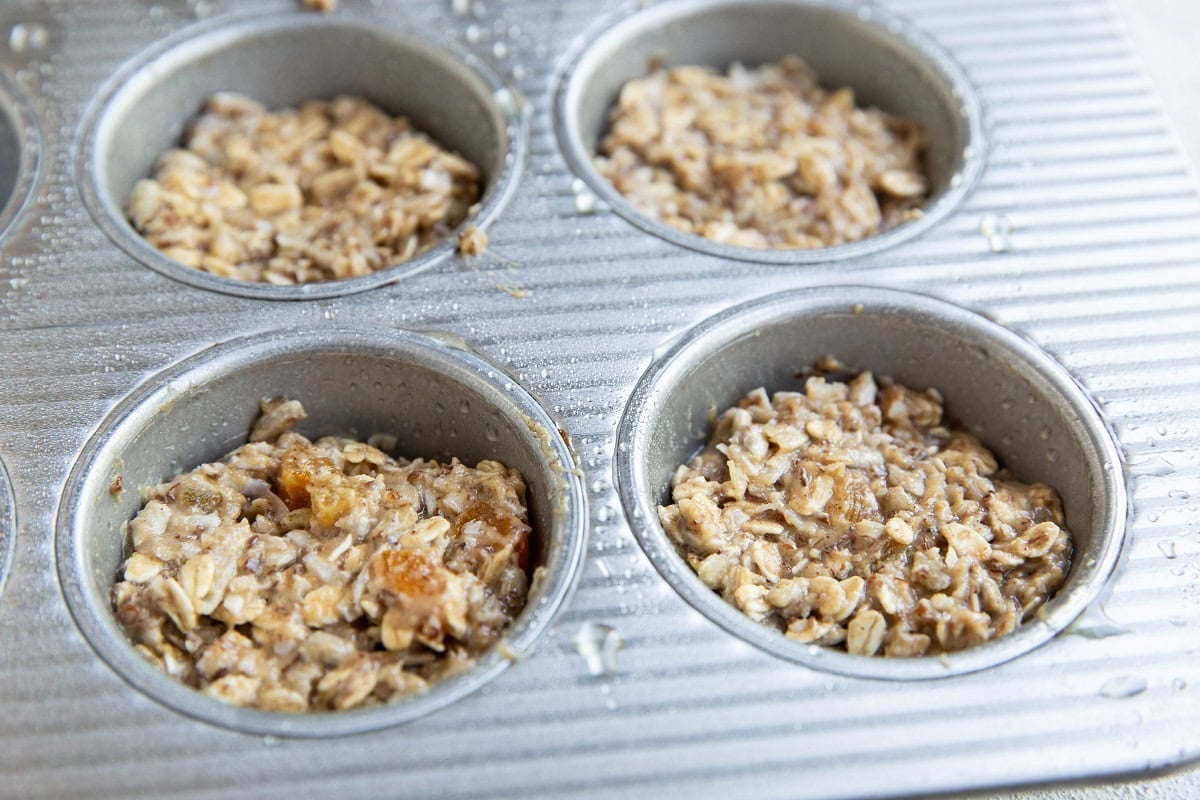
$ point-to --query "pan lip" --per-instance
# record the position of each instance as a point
(706, 339)
(8, 524)
(208, 35)
(27, 131)
(94, 620)
(607, 36)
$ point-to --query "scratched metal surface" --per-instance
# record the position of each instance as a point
(1094, 251)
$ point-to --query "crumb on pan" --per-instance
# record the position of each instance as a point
(297, 575)
(319, 5)
(472, 241)
(762, 157)
(330, 190)
(851, 515)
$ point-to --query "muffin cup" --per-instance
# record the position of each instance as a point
(282, 60)
(1023, 405)
(20, 153)
(886, 60)
(437, 398)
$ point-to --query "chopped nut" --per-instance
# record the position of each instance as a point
(472, 241)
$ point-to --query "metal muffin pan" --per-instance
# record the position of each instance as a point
(1018, 400)
(282, 60)
(1080, 232)
(888, 62)
(439, 400)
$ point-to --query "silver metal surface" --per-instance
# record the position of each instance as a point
(1082, 233)
(439, 401)
(889, 62)
(1021, 404)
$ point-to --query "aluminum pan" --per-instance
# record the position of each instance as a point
(1092, 252)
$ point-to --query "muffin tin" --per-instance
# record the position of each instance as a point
(1074, 229)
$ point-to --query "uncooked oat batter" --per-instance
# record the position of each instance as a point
(851, 515)
(295, 575)
(762, 157)
(326, 191)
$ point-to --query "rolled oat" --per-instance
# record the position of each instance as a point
(762, 157)
(852, 515)
(295, 575)
(327, 191)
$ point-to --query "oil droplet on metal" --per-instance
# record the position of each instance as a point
(1095, 624)
(599, 645)
(1168, 548)
(1154, 467)
(997, 229)
(32, 36)
(585, 201)
(1123, 686)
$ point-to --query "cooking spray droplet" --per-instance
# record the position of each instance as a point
(1153, 467)
(599, 645)
(997, 229)
(1168, 548)
(1095, 624)
(1179, 684)
(1123, 686)
(491, 433)
(585, 201)
(508, 101)
(473, 33)
(500, 50)
(31, 36)
(460, 8)
(1178, 494)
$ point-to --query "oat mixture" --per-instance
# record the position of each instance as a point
(327, 191)
(295, 575)
(762, 157)
(851, 515)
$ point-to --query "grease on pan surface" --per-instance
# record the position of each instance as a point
(327, 191)
(853, 515)
(296, 575)
(762, 157)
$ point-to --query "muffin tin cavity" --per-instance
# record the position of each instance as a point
(1009, 393)
(281, 61)
(885, 60)
(437, 399)
(19, 153)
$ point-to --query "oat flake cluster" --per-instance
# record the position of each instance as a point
(762, 157)
(853, 516)
(327, 191)
(295, 575)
